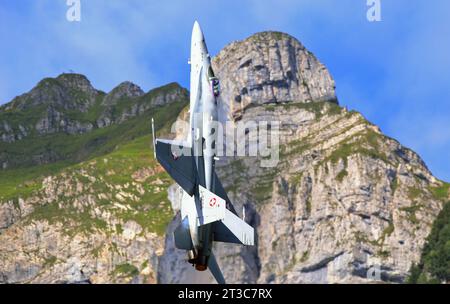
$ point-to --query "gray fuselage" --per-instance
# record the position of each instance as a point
(202, 135)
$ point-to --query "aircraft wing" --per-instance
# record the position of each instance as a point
(180, 167)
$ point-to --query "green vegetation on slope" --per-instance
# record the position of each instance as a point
(442, 192)
(110, 170)
(111, 178)
(76, 148)
(364, 143)
(125, 270)
(319, 108)
(23, 182)
(63, 104)
(79, 147)
(434, 266)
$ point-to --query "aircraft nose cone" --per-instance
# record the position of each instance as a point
(197, 33)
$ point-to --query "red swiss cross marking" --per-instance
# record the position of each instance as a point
(212, 201)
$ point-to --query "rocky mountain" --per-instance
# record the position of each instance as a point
(345, 204)
(270, 68)
(81, 197)
(83, 200)
(40, 127)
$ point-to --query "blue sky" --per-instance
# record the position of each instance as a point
(396, 72)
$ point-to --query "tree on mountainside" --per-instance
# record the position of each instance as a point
(434, 266)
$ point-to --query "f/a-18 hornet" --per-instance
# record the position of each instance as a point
(207, 214)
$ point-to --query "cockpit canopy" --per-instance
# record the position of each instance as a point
(215, 85)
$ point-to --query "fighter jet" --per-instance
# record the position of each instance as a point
(207, 214)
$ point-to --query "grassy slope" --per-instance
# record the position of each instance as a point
(112, 175)
(75, 148)
(111, 155)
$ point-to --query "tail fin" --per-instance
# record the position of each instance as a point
(215, 270)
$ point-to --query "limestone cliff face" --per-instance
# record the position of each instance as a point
(98, 222)
(345, 203)
(270, 67)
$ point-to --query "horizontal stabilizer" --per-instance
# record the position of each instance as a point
(180, 167)
(233, 230)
